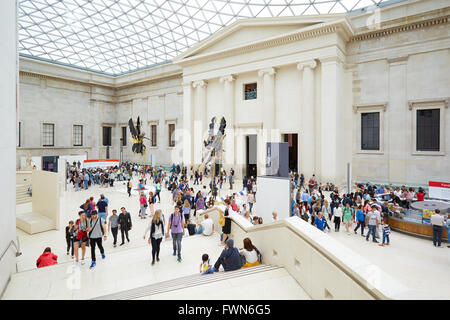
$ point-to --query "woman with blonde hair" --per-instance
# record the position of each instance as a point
(186, 209)
(156, 228)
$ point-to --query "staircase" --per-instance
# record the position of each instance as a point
(127, 273)
(22, 195)
(185, 282)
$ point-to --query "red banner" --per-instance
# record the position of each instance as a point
(439, 184)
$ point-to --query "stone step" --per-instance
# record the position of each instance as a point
(184, 282)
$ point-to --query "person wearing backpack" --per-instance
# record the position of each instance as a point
(96, 230)
(158, 191)
(251, 254)
(176, 227)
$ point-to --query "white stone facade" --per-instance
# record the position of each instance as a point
(315, 75)
(46, 97)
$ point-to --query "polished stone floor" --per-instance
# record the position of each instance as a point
(413, 261)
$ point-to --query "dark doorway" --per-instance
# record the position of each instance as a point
(292, 139)
(251, 155)
(50, 163)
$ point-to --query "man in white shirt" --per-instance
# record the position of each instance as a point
(372, 221)
(206, 227)
(438, 221)
(337, 217)
(204, 193)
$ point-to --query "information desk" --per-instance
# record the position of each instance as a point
(415, 220)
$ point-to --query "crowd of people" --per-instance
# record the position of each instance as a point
(357, 211)
(95, 222)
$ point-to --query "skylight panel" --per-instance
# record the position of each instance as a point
(116, 36)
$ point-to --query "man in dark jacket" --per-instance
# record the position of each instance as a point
(124, 224)
(230, 258)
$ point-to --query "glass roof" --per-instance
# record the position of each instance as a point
(120, 36)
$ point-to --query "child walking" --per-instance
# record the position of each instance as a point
(386, 232)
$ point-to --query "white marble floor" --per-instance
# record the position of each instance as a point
(33, 245)
(413, 261)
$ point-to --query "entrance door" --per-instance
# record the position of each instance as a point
(50, 163)
(292, 139)
(251, 152)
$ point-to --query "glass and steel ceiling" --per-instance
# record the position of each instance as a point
(120, 36)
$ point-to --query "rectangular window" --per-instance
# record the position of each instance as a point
(428, 130)
(124, 136)
(171, 135)
(48, 134)
(77, 135)
(250, 91)
(107, 136)
(153, 137)
(370, 131)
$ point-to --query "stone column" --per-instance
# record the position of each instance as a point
(200, 102)
(307, 129)
(162, 133)
(333, 166)
(268, 98)
(229, 114)
(187, 123)
(200, 120)
(9, 110)
(96, 137)
(269, 114)
(399, 120)
(116, 141)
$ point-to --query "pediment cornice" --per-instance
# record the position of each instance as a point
(341, 26)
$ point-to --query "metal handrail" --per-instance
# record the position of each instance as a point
(17, 246)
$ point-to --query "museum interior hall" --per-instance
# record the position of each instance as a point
(218, 150)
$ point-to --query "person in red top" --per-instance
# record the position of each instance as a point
(420, 195)
(234, 206)
(47, 259)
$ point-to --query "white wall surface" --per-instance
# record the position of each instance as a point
(8, 92)
(272, 195)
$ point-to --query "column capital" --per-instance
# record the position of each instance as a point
(268, 71)
(333, 59)
(187, 83)
(199, 83)
(229, 78)
(307, 64)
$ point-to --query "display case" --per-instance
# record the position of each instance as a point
(416, 219)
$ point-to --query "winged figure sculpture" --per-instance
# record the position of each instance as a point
(137, 137)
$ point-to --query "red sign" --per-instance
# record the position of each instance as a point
(102, 160)
(438, 184)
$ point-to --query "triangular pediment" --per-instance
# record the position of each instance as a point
(245, 31)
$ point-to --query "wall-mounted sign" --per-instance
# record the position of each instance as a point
(101, 163)
(439, 190)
